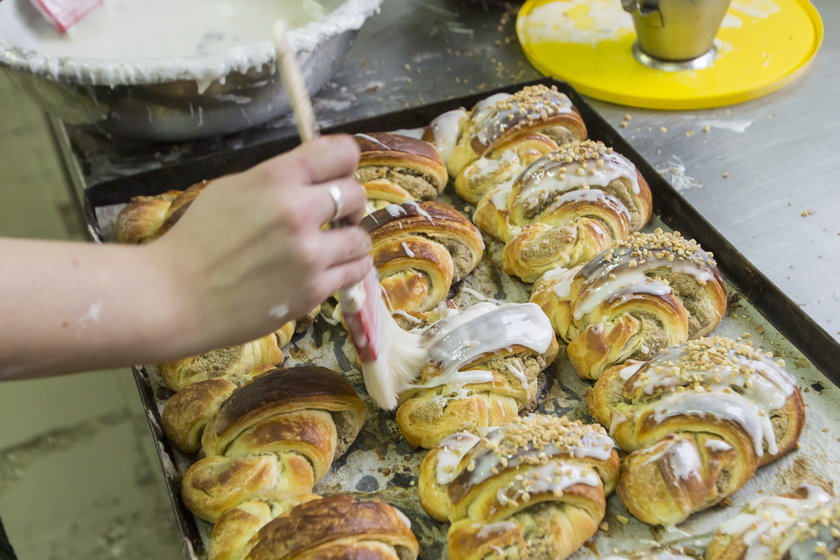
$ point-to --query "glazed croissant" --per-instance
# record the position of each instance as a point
(420, 249)
(644, 294)
(394, 169)
(565, 208)
(495, 121)
(535, 488)
(483, 370)
(698, 420)
(333, 527)
(146, 218)
(273, 439)
(804, 523)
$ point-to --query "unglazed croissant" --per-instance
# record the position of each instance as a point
(803, 524)
(394, 169)
(644, 294)
(234, 363)
(565, 208)
(419, 250)
(146, 218)
(498, 119)
(535, 488)
(482, 371)
(698, 420)
(273, 439)
(334, 527)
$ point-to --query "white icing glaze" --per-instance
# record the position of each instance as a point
(408, 316)
(717, 445)
(616, 419)
(370, 138)
(408, 252)
(626, 285)
(768, 520)
(769, 386)
(493, 528)
(518, 372)
(402, 517)
(499, 196)
(416, 133)
(561, 279)
(128, 42)
(550, 477)
(452, 450)
(545, 177)
(490, 119)
(628, 371)
(395, 210)
(458, 340)
(446, 130)
(419, 209)
(724, 406)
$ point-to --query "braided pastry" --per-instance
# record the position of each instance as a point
(803, 524)
(234, 363)
(482, 371)
(146, 218)
(698, 419)
(565, 208)
(499, 118)
(334, 527)
(646, 293)
(445, 130)
(501, 166)
(535, 488)
(419, 250)
(273, 439)
(394, 169)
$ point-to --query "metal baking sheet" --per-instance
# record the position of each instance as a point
(381, 465)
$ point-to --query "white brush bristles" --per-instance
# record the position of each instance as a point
(401, 357)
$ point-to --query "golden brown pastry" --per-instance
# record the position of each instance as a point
(238, 364)
(482, 370)
(501, 166)
(394, 169)
(803, 524)
(146, 218)
(498, 119)
(644, 294)
(698, 420)
(333, 527)
(535, 488)
(565, 208)
(187, 412)
(420, 249)
(273, 439)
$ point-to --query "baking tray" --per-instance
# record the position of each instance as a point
(381, 465)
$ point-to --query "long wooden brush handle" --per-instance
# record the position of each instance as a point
(295, 86)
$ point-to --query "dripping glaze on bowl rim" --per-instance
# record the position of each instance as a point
(348, 15)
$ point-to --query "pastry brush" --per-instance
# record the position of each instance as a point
(391, 357)
(64, 14)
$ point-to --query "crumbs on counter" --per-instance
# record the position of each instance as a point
(689, 133)
(725, 174)
(663, 129)
(707, 128)
(806, 213)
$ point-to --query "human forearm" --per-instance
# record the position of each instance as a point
(70, 307)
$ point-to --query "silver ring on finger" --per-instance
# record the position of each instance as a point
(335, 194)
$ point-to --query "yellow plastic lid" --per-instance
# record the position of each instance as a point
(762, 46)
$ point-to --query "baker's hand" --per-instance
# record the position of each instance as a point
(251, 252)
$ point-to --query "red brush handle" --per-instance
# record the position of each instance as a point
(360, 307)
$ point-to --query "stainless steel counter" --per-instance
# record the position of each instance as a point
(766, 173)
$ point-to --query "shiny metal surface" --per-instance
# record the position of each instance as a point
(676, 30)
(703, 61)
(766, 173)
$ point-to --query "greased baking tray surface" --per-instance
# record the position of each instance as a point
(381, 465)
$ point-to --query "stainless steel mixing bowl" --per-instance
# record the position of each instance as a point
(153, 101)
